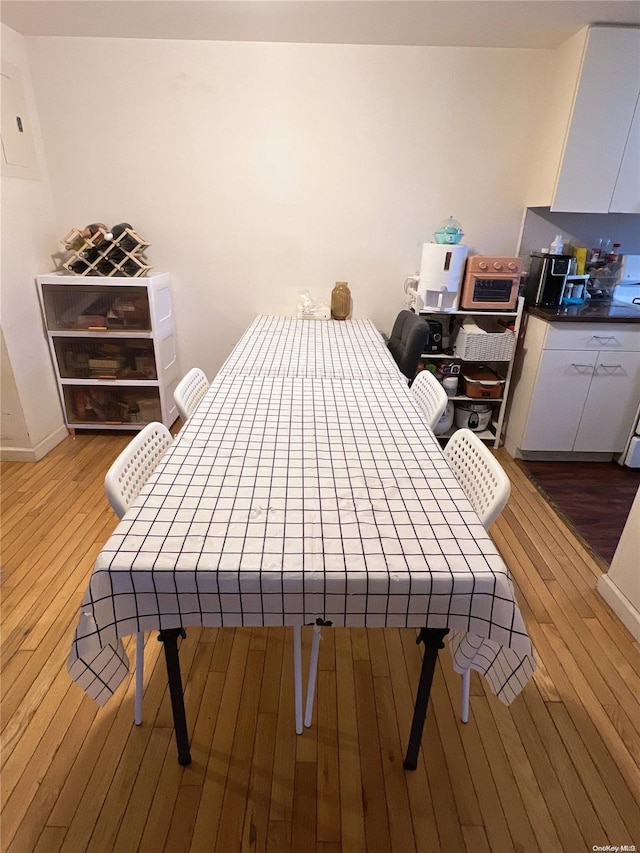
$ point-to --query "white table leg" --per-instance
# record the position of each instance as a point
(313, 671)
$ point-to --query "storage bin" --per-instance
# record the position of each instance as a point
(101, 404)
(481, 382)
(492, 344)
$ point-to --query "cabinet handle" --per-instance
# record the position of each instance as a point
(610, 338)
(582, 368)
(610, 367)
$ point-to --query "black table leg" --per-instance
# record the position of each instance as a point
(433, 642)
(169, 638)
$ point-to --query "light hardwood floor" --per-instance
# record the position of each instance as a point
(556, 771)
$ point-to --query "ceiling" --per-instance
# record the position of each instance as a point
(466, 23)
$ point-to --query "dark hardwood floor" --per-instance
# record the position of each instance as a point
(594, 498)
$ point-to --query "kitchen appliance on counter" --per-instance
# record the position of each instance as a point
(441, 268)
(491, 283)
(546, 279)
(434, 340)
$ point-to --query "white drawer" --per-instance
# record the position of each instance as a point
(593, 336)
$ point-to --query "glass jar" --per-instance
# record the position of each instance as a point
(340, 301)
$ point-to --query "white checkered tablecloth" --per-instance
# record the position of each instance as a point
(284, 500)
(335, 349)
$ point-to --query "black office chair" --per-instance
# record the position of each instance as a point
(407, 342)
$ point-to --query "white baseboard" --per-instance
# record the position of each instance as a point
(554, 455)
(33, 454)
(620, 604)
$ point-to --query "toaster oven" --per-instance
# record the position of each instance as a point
(491, 283)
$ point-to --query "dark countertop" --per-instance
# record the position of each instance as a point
(591, 312)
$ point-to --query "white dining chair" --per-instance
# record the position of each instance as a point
(125, 478)
(430, 395)
(485, 483)
(190, 391)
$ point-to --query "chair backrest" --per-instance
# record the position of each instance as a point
(132, 468)
(407, 341)
(430, 395)
(189, 391)
(479, 473)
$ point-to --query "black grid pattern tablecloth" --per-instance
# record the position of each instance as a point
(286, 346)
(284, 500)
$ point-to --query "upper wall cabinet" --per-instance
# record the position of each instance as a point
(590, 146)
(626, 194)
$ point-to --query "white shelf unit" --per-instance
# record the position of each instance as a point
(112, 342)
(504, 368)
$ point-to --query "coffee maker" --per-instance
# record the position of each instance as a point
(546, 279)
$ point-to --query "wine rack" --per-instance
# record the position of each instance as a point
(102, 254)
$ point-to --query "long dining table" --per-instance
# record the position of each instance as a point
(306, 488)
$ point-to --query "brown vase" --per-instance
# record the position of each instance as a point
(340, 301)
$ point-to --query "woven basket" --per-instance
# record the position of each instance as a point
(492, 346)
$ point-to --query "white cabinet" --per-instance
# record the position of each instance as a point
(626, 194)
(563, 383)
(578, 388)
(589, 145)
(502, 365)
(112, 342)
(610, 404)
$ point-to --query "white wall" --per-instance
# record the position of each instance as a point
(13, 427)
(258, 169)
(32, 417)
(620, 586)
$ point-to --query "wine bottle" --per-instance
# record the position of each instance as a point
(92, 232)
(131, 268)
(79, 267)
(105, 267)
(89, 255)
(120, 238)
(116, 255)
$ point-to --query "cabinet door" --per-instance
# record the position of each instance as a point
(611, 403)
(559, 397)
(626, 195)
(601, 118)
